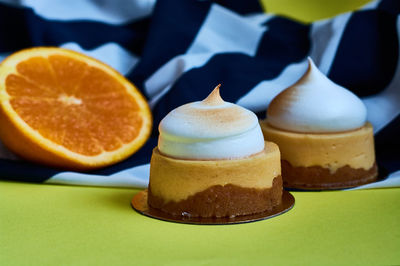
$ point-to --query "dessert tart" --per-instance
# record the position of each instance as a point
(212, 161)
(322, 132)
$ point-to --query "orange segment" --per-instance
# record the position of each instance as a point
(65, 109)
(20, 86)
(39, 71)
(68, 72)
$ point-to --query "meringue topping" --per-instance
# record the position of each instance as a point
(210, 129)
(315, 104)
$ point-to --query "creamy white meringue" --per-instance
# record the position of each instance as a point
(315, 104)
(210, 129)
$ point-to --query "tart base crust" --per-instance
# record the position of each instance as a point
(223, 201)
(317, 177)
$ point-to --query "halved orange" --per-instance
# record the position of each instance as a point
(64, 109)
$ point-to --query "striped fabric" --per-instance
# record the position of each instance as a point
(176, 51)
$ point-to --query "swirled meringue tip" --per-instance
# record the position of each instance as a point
(214, 98)
(210, 129)
(315, 104)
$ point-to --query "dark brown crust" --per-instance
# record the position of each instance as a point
(223, 201)
(316, 177)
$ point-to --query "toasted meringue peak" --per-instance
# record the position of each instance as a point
(315, 104)
(210, 129)
(214, 98)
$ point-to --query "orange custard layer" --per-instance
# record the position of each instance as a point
(333, 150)
(176, 179)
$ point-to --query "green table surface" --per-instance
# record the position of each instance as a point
(61, 225)
(66, 225)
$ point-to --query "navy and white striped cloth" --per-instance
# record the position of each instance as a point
(176, 51)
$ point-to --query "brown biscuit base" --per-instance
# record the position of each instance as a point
(223, 201)
(316, 177)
